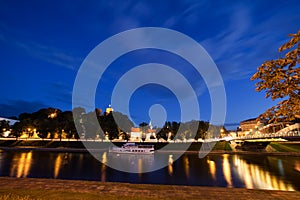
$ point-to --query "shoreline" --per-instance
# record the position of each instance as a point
(37, 188)
(84, 150)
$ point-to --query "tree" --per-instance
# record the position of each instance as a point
(280, 79)
(91, 126)
(109, 126)
(66, 123)
(123, 122)
(144, 127)
(163, 132)
(78, 115)
(202, 130)
(17, 129)
(4, 125)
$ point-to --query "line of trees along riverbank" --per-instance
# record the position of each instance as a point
(54, 123)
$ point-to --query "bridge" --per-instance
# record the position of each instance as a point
(259, 138)
(284, 132)
(280, 131)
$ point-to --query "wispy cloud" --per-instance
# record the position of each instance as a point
(241, 47)
(51, 55)
(16, 107)
(43, 52)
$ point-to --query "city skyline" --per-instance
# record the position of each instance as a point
(43, 44)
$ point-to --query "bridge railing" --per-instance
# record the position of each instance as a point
(294, 133)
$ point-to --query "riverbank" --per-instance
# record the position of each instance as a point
(221, 147)
(77, 145)
(71, 150)
(28, 188)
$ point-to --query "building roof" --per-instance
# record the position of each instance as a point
(134, 129)
(249, 120)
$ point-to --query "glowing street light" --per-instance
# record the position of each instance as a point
(52, 115)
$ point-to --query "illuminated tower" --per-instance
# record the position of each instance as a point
(109, 109)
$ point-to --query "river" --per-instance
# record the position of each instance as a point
(221, 170)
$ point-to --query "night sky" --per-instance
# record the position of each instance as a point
(43, 44)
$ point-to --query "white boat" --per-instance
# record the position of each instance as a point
(132, 148)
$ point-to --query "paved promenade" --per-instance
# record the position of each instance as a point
(135, 191)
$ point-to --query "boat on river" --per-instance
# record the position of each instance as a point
(132, 148)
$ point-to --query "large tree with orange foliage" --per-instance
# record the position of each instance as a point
(280, 79)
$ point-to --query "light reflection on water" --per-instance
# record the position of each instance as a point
(170, 166)
(103, 167)
(212, 168)
(226, 170)
(223, 170)
(297, 166)
(21, 165)
(186, 166)
(255, 177)
(57, 165)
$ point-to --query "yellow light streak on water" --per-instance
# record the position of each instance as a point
(170, 166)
(226, 170)
(103, 166)
(21, 165)
(212, 168)
(255, 177)
(186, 166)
(57, 165)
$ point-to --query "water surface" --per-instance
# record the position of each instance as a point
(222, 170)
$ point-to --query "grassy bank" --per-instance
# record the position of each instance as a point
(285, 146)
(195, 146)
(41, 143)
(222, 146)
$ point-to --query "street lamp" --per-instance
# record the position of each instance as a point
(28, 131)
(52, 115)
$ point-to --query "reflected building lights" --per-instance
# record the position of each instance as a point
(140, 166)
(297, 166)
(170, 166)
(186, 166)
(57, 165)
(255, 177)
(104, 158)
(103, 166)
(212, 168)
(275, 183)
(21, 165)
(27, 164)
(280, 167)
(226, 170)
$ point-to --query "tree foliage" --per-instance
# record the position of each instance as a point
(186, 130)
(113, 124)
(4, 126)
(45, 123)
(54, 123)
(280, 79)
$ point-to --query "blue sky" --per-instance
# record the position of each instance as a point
(43, 44)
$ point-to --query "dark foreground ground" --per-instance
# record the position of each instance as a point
(26, 189)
